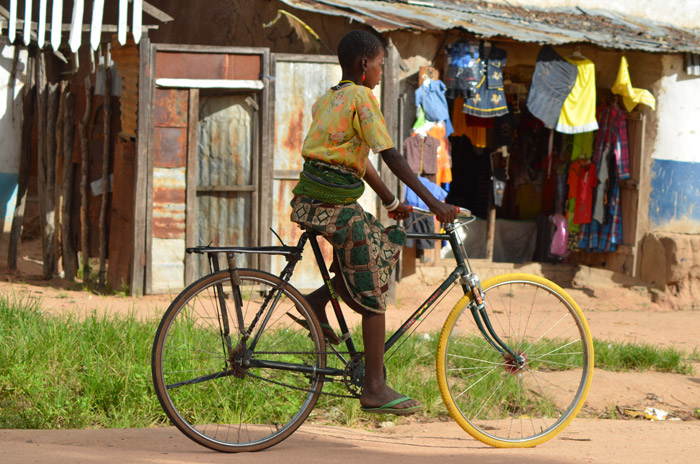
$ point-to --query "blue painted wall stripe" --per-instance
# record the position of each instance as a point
(675, 191)
(8, 189)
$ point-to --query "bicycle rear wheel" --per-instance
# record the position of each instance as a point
(494, 398)
(208, 384)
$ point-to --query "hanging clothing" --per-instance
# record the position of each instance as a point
(552, 81)
(431, 96)
(582, 146)
(462, 74)
(586, 184)
(421, 153)
(444, 161)
(611, 142)
(420, 223)
(489, 100)
(631, 96)
(578, 112)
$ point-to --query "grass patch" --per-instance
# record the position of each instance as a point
(69, 372)
(640, 357)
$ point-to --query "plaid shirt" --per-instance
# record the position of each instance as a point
(606, 237)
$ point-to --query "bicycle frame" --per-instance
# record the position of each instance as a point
(463, 272)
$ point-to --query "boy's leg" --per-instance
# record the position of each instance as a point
(376, 392)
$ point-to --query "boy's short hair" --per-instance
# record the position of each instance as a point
(357, 44)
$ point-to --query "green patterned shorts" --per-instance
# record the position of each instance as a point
(366, 251)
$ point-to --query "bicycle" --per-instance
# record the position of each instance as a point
(234, 373)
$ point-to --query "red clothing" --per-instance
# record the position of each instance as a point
(585, 186)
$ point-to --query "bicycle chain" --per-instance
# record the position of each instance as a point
(335, 395)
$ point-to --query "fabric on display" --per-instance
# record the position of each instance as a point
(578, 112)
(431, 96)
(420, 223)
(612, 143)
(552, 81)
(462, 73)
(582, 147)
(630, 95)
(489, 99)
(585, 187)
(421, 153)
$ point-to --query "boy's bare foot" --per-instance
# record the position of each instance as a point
(318, 302)
(388, 401)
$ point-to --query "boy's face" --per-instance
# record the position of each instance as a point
(373, 70)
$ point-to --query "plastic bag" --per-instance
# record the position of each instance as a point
(560, 237)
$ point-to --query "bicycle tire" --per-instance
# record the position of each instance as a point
(492, 398)
(237, 408)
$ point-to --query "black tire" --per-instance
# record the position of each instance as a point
(209, 391)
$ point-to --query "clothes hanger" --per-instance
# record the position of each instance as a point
(577, 53)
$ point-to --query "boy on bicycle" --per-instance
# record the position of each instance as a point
(347, 122)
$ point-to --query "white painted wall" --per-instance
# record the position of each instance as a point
(678, 113)
(10, 131)
(682, 13)
(10, 110)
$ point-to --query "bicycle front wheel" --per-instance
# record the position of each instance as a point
(235, 381)
(508, 402)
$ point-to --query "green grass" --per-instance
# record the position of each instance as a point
(66, 372)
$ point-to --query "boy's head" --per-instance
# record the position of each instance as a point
(356, 45)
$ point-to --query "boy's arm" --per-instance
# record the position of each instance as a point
(398, 165)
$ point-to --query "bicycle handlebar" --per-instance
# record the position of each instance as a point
(461, 212)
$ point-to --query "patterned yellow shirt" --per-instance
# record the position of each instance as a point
(346, 124)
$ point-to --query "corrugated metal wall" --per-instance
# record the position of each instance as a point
(299, 81)
(224, 158)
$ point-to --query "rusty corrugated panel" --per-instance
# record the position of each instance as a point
(530, 24)
(126, 59)
(298, 84)
(224, 159)
(169, 147)
(169, 203)
(170, 107)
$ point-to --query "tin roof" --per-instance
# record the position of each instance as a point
(532, 24)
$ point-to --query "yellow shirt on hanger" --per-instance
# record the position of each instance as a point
(578, 113)
(630, 95)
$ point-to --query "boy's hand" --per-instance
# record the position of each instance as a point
(445, 212)
(401, 212)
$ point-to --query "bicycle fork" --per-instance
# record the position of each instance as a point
(478, 309)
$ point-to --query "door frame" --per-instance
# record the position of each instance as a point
(142, 274)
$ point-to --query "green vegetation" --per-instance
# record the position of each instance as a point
(70, 372)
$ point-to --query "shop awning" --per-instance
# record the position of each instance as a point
(532, 24)
(22, 26)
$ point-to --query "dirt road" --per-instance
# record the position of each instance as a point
(585, 441)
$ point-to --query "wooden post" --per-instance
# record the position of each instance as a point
(48, 196)
(28, 101)
(58, 169)
(490, 225)
(68, 250)
(84, 168)
(107, 118)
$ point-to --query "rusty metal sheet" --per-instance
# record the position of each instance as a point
(169, 147)
(170, 108)
(224, 158)
(181, 65)
(526, 24)
(169, 203)
(126, 59)
(243, 67)
(297, 86)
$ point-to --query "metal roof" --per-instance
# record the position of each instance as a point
(532, 24)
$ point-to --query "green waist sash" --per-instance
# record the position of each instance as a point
(329, 183)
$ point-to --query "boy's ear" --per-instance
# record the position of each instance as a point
(363, 62)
